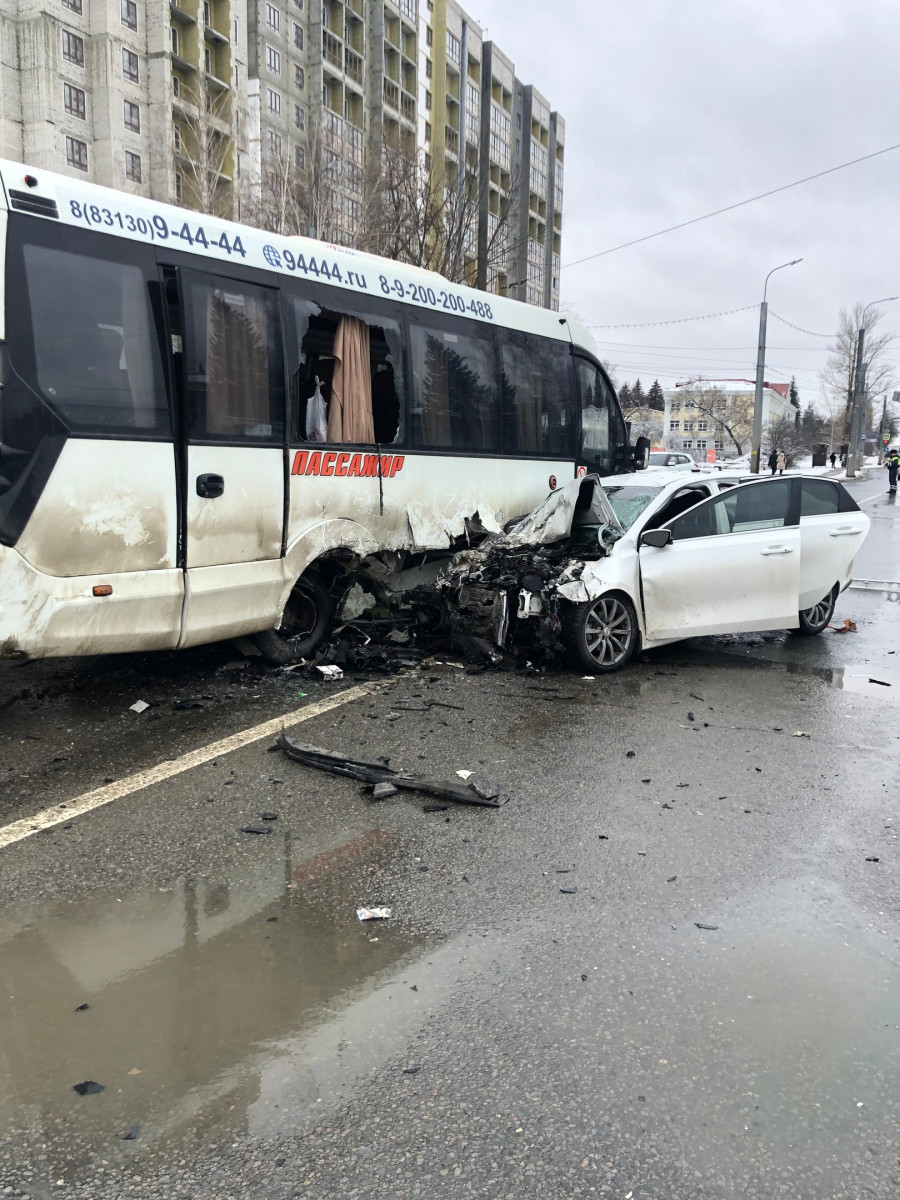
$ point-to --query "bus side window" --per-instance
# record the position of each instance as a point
(233, 370)
(358, 361)
(457, 390)
(596, 404)
(538, 390)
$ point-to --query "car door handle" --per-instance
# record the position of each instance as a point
(778, 550)
(846, 531)
(210, 486)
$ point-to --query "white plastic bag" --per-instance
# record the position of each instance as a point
(316, 421)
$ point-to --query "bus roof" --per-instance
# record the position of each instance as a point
(86, 205)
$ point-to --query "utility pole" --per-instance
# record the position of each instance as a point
(858, 412)
(761, 371)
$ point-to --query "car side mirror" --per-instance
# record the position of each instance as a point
(655, 537)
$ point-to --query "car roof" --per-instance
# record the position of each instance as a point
(675, 480)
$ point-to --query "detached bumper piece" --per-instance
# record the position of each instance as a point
(475, 792)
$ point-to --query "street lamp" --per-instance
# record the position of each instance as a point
(859, 388)
(761, 370)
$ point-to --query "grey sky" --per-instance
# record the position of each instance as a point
(674, 108)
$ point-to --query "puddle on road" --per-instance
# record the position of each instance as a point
(194, 993)
(885, 685)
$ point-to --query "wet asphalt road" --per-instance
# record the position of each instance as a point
(498, 1037)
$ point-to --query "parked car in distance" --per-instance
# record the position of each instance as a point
(670, 458)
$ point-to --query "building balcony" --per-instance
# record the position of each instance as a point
(333, 51)
(184, 65)
(451, 140)
(407, 107)
(180, 16)
(391, 92)
(213, 35)
(354, 66)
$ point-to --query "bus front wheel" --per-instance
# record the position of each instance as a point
(305, 623)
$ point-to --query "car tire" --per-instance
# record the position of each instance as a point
(305, 623)
(814, 620)
(601, 635)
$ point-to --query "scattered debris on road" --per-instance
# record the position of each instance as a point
(374, 914)
(256, 829)
(90, 1087)
(132, 1133)
(82, 1008)
(374, 773)
(139, 706)
(847, 627)
(801, 733)
(700, 925)
(569, 891)
(330, 671)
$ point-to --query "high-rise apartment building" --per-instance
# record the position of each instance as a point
(285, 112)
(144, 95)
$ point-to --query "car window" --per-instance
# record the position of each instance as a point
(818, 498)
(752, 506)
(682, 500)
(629, 502)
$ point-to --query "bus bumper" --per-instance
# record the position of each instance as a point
(46, 616)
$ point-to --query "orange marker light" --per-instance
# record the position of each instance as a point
(103, 589)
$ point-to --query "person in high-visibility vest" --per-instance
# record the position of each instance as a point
(892, 463)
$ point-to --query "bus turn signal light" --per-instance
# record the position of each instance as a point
(103, 589)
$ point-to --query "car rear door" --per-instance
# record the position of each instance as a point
(733, 566)
(829, 538)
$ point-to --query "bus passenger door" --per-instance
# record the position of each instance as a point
(233, 455)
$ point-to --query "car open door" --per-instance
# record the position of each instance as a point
(733, 565)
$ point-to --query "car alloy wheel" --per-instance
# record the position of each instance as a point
(814, 620)
(603, 633)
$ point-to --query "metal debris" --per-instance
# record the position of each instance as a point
(374, 914)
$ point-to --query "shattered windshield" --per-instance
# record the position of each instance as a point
(629, 502)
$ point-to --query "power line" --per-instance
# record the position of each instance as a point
(679, 321)
(730, 207)
(799, 330)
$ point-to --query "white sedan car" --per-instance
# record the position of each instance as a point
(670, 459)
(684, 557)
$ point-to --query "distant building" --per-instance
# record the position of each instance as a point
(141, 95)
(696, 431)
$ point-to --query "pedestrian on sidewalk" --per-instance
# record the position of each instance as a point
(833, 459)
(893, 466)
(781, 462)
(773, 462)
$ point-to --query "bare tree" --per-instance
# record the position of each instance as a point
(205, 147)
(727, 414)
(783, 433)
(838, 378)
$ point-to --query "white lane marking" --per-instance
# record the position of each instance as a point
(872, 497)
(18, 830)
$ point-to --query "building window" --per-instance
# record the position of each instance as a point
(76, 153)
(208, 66)
(273, 60)
(688, 404)
(130, 66)
(701, 426)
(453, 47)
(73, 6)
(688, 426)
(73, 99)
(299, 117)
(273, 142)
(428, 68)
(273, 101)
(428, 100)
(701, 443)
(298, 36)
(299, 158)
(176, 86)
(298, 4)
(132, 167)
(674, 426)
(429, 36)
(132, 117)
(176, 137)
(129, 14)
(299, 77)
(179, 189)
(720, 445)
(175, 40)
(73, 48)
(273, 18)
(427, 131)
(687, 444)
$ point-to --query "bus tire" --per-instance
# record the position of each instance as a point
(305, 623)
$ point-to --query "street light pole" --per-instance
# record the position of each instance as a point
(761, 371)
(853, 455)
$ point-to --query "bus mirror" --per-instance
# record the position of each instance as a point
(641, 454)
